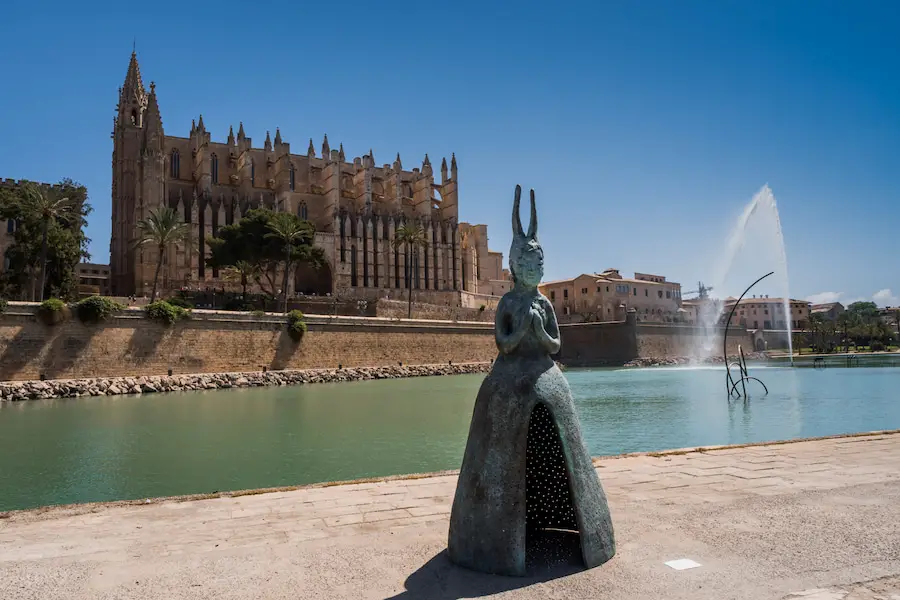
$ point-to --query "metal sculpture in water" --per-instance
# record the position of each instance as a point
(730, 383)
(527, 489)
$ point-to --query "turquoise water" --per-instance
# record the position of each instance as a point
(126, 447)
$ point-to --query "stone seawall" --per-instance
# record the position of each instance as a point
(112, 386)
(129, 344)
(617, 343)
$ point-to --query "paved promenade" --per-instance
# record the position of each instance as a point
(814, 520)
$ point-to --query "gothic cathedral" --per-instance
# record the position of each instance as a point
(356, 207)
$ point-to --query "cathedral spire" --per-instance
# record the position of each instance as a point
(241, 134)
(200, 126)
(326, 149)
(152, 118)
(444, 169)
(268, 142)
(453, 166)
(277, 136)
(341, 153)
(311, 151)
(230, 135)
(133, 88)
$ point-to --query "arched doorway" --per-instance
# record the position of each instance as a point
(760, 344)
(313, 282)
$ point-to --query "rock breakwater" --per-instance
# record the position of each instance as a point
(684, 360)
(12, 391)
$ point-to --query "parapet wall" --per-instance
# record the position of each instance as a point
(617, 342)
(129, 344)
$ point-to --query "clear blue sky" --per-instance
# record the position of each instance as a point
(644, 127)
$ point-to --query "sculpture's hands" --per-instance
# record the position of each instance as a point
(546, 329)
(510, 327)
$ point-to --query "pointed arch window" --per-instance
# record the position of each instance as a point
(302, 211)
(252, 173)
(175, 164)
(214, 168)
(293, 179)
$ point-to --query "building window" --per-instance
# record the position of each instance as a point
(755, 324)
(584, 290)
(566, 310)
(621, 289)
(766, 311)
(659, 293)
(635, 291)
(175, 164)
(552, 295)
(10, 225)
(302, 211)
(214, 168)
(646, 293)
(293, 180)
(252, 173)
(668, 295)
(768, 324)
(565, 294)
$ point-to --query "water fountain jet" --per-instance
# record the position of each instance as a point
(762, 210)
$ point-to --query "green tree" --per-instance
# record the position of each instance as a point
(293, 237)
(243, 272)
(161, 228)
(411, 238)
(49, 239)
(254, 241)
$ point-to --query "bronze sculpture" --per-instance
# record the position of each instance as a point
(526, 470)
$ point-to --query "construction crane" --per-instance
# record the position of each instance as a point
(702, 291)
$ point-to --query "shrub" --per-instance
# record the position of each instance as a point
(258, 313)
(179, 301)
(296, 325)
(53, 311)
(166, 313)
(481, 308)
(3, 305)
(877, 346)
(94, 309)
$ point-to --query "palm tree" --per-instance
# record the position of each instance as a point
(411, 237)
(47, 205)
(290, 231)
(243, 271)
(161, 228)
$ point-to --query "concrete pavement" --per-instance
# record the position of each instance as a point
(818, 518)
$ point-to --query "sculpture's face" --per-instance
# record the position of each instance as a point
(528, 264)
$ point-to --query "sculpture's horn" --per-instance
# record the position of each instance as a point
(532, 226)
(516, 221)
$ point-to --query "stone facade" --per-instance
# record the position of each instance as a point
(355, 205)
(607, 296)
(93, 278)
(767, 313)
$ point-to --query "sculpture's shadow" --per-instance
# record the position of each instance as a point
(440, 579)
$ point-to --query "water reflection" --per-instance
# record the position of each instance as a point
(89, 449)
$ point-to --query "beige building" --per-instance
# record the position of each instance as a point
(93, 278)
(607, 296)
(830, 311)
(767, 313)
(355, 205)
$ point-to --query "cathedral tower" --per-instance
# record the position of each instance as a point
(138, 183)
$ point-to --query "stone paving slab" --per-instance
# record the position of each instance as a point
(819, 518)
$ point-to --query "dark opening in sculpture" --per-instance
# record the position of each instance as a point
(528, 496)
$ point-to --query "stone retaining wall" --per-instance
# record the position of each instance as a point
(129, 344)
(112, 386)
